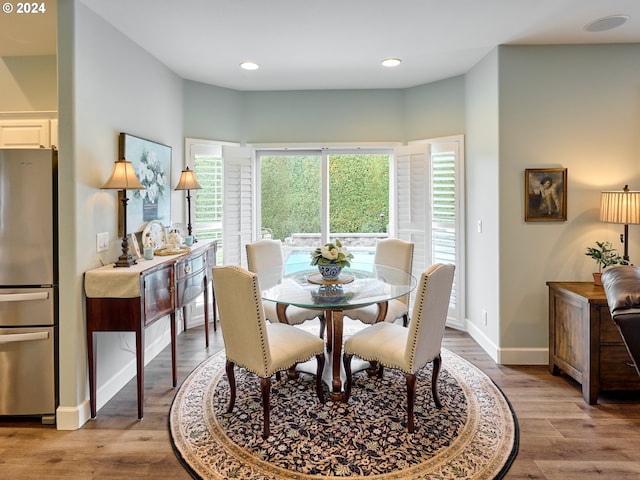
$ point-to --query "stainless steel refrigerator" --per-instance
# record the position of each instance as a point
(28, 283)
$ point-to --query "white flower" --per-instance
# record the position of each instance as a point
(329, 254)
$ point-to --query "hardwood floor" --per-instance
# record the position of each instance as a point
(561, 437)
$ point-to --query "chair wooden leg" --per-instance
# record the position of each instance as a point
(319, 371)
(434, 380)
(329, 328)
(411, 398)
(405, 320)
(346, 360)
(323, 324)
(380, 370)
(232, 386)
(265, 387)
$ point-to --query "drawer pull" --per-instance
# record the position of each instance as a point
(187, 268)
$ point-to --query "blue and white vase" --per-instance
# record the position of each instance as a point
(330, 271)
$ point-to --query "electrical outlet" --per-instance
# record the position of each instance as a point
(102, 242)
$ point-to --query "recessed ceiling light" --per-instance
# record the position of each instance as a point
(606, 23)
(391, 62)
(249, 66)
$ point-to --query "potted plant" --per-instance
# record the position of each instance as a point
(605, 255)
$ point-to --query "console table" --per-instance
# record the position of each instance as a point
(131, 299)
(585, 343)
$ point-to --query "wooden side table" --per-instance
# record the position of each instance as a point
(584, 342)
(131, 299)
(132, 313)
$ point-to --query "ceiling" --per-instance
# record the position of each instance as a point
(339, 44)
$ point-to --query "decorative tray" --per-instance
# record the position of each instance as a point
(154, 234)
(165, 251)
(316, 279)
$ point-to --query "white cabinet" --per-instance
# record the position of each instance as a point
(28, 133)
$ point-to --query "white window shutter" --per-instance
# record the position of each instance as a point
(238, 203)
(429, 183)
(412, 201)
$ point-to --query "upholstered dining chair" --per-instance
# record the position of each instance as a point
(250, 342)
(394, 253)
(264, 254)
(408, 349)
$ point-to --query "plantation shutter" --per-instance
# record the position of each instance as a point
(238, 203)
(429, 185)
(412, 202)
(446, 214)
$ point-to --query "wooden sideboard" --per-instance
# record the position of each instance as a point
(585, 343)
(131, 299)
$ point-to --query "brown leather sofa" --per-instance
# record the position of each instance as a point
(622, 287)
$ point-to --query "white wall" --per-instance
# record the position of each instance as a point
(28, 83)
(110, 86)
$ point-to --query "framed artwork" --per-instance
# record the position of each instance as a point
(545, 195)
(152, 164)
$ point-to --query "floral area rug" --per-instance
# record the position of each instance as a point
(473, 436)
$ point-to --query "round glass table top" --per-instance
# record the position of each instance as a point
(302, 286)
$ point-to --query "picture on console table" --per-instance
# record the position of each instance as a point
(545, 195)
(152, 164)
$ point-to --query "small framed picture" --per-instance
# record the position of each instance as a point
(545, 195)
(134, 246)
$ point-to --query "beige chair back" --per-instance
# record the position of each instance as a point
(266, 254)
(429, 316)
(395, 253)
(244, 328)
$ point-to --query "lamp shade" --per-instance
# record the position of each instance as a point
(188, 180)
(123, 177)
(620, 207)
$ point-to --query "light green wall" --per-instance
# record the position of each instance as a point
(108, 85)
(435, 110)
(483, 196)
(322, 116)
(561, 106)
(28, 84)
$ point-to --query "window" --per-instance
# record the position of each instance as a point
(310, 197)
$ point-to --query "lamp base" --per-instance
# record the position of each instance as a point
(125, 261)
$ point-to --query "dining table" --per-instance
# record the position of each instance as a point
(303, 286)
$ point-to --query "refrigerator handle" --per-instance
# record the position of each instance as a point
(23, 337)
(23, 297)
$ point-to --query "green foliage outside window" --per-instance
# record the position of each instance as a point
(291, 194)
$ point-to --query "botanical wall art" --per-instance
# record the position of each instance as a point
(152, 163)
(545, 195)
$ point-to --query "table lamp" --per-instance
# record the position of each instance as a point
(124, 178)
(188, 182)
(621, 207)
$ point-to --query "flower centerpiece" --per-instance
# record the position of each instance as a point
(331, 259)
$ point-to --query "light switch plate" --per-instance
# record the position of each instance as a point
(102, 241)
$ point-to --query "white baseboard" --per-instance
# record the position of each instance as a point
(508, 356)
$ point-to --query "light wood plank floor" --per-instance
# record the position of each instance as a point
(561, 437)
